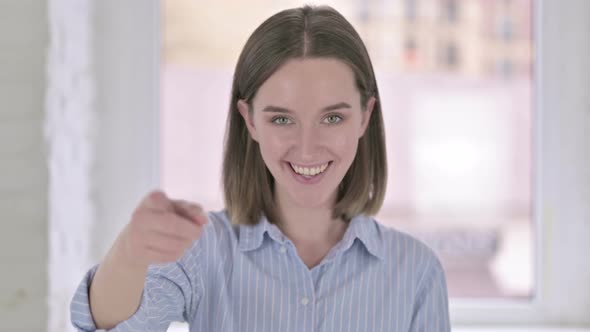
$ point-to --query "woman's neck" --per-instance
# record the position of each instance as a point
(310, 226)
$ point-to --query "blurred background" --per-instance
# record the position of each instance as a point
(487, 112)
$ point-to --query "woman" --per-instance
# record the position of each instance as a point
(295, 248)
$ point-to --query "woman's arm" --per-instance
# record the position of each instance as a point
(172, 293)
(143, 260)
(115, 291)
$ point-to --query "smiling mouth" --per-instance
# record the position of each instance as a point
(310, 172)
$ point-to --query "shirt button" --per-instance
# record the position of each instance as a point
(304, 301)
(283, 249)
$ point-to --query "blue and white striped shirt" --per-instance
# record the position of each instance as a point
(250, 278)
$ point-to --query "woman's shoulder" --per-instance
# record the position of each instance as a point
(220, 225)
(397, 238)
(403, 248)
(217, 238)
(219, 218)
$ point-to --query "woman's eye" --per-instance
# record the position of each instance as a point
(332, 119)
(281, 120)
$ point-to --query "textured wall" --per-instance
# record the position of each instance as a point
(23, 170)
(70, 137)
(46, 144)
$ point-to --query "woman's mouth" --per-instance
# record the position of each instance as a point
(309, 174)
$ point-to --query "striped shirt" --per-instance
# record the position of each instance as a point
(250, 278)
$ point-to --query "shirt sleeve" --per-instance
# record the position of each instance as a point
(171, 293)
(431, 310)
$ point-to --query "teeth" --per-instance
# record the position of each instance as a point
(310, 171)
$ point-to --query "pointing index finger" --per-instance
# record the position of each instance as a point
(191, 211)
(157, 201)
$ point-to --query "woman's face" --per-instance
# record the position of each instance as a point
(307, 119)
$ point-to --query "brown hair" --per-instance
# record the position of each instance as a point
(295, 34)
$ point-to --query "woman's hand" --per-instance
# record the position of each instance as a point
(160, 230)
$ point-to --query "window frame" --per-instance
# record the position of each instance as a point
(550, 305)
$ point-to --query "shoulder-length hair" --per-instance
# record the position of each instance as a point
(306, 32)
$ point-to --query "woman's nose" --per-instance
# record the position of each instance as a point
(309, 142)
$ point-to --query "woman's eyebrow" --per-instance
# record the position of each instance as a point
(278, 109)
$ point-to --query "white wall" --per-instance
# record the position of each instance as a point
(23, 170)
(127, 64)
(51, 133)
(565, 159)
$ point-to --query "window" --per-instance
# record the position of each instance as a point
(411, 7)
(450, 10)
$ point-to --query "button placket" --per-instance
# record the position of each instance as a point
(307, 300)
(309, 289)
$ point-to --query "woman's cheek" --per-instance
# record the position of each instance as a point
(344, 143)
(279, 140)
(274, 146)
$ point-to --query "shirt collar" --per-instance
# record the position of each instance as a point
(251, 236)
(361, 227)
(365, 229)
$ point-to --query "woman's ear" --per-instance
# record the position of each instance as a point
(244, 110)
(366, 114)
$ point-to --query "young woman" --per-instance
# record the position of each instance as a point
(295, 249)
